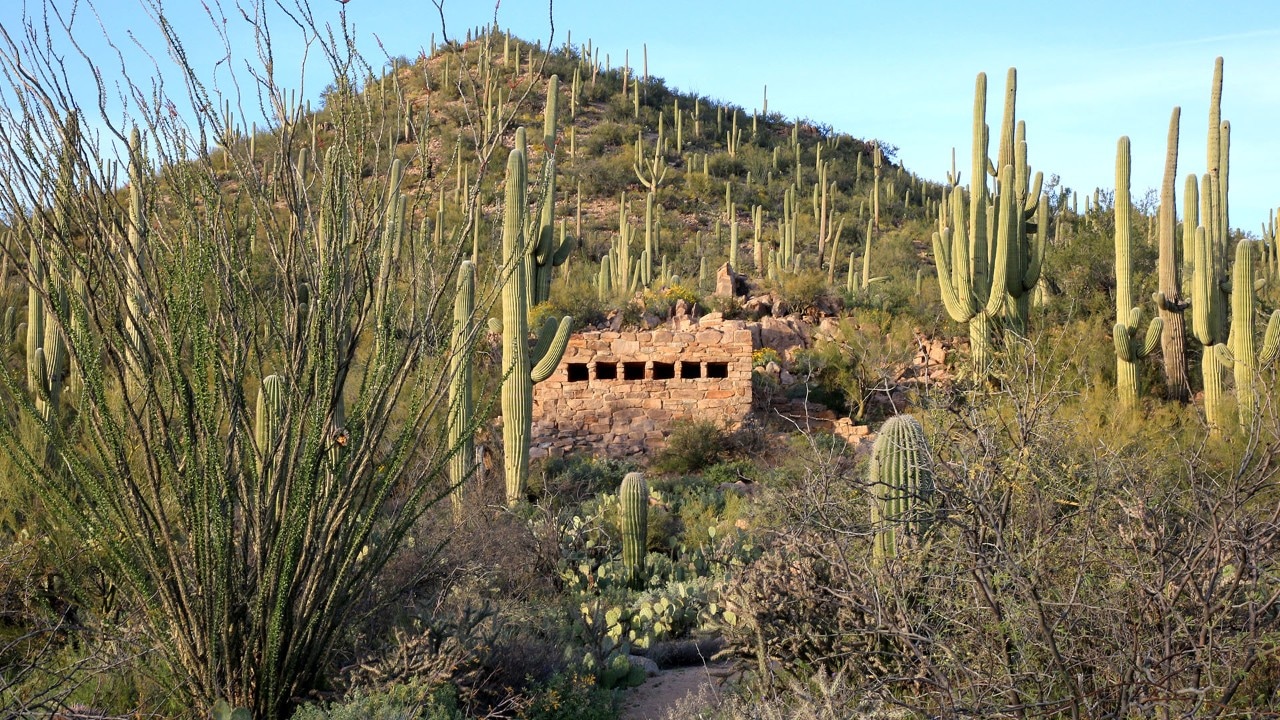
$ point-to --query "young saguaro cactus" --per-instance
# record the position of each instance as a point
(1240, 353)
(633, 498)
(522, 368)
(1128, 317)
(268, 421)
(901, 484)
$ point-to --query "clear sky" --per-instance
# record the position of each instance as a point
(901, 72)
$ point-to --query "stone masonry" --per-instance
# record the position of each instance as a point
(619, 393)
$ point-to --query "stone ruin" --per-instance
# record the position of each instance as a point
(619, 393)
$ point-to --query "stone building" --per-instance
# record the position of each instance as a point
(619, 393)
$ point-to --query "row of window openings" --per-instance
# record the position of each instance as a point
(581, 372)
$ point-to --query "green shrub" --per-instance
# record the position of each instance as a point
(692, 446)
(412, 701)
(571, 696)
(575, 478)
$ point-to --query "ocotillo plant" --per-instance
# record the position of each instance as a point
(1128, 317)
(461, 411)
(1239, 353)
(633, 500)
(901, 484)
(521, 368)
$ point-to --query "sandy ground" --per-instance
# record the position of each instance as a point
(660, 694)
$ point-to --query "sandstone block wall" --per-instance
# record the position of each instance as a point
(619, 393)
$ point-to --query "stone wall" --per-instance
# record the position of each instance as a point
(618, 393)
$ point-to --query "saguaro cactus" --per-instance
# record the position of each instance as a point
(991, 271)
(268, 420)
(1168, 298)
(1239, 353)
(521, 367)
(633, 498)
(1128, 317)
(1210, 244)
(461, 410)
(547, 253)
(901, 484)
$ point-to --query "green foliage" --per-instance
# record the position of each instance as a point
(692, 446)
(571, 696)
(804, 290)
(413, 700)
(575, 478)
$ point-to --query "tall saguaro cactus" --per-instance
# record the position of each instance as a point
(963, 251)
(461, 410)
(1128, 317)
(633, 498)
(901, 484)
(521, 367)
(1239, 354)
(268, 422)
(1168, 299)
(547, 253)
(1025, 255)
(1210, 244)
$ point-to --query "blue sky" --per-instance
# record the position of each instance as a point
(1088, 71)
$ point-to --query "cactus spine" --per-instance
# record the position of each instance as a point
(521, 368)
(1128, 317)
(901, 484)
(461, 410)
(633, 498)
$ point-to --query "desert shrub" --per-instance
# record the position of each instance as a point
(575, 478)
(1068, 538)
(722, 165)
(571, 696)
(804, 290)
(692, 446)
(400, 702)
(604, 175)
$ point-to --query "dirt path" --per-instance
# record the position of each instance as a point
(661, 693)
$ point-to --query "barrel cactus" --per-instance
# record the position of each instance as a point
(901, 484)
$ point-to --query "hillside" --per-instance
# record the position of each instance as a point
(267, 425)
